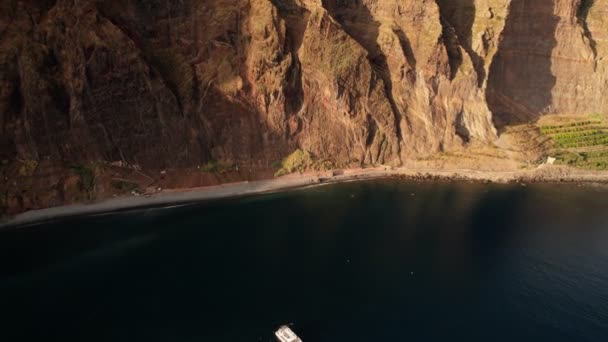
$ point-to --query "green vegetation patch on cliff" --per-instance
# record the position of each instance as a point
(580, 143)
(214, 166)
(329, 48)
(587, 133)
(87, 176)
(301, 161)
(27, 167)
(597, 160)
(298, 161)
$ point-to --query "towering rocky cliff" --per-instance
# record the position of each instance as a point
(159, 84)
(550, 61)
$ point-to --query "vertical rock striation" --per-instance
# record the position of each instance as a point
(159, 84)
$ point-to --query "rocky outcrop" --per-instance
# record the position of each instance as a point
(550, 61)
(157, 84)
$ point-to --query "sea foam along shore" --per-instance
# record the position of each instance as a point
(545, 173)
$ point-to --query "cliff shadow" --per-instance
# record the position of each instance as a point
(494, 222)
(582, 13)
(520, 79)
(457, 19)
(295, 18)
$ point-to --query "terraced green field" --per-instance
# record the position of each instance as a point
(581, 143)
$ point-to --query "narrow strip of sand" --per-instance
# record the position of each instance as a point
(231, 190)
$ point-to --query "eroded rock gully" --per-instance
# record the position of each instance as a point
(162, 84)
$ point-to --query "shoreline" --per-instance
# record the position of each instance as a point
(173, 197)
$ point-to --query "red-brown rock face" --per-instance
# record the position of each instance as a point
(550, 61)
(167, 83)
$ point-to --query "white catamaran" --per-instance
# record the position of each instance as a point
(285, 334)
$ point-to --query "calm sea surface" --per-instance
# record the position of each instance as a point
(374, 261)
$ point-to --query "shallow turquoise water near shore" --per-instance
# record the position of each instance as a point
(370, 261)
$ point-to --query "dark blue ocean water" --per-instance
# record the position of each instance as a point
(375, 261)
